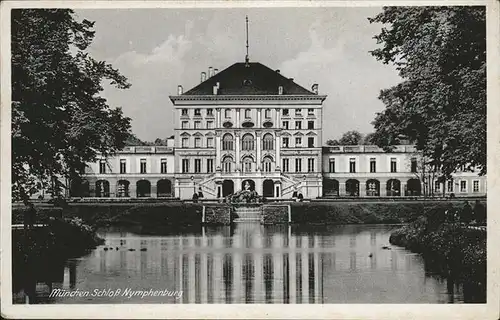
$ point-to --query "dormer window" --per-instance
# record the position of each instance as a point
(247, 82)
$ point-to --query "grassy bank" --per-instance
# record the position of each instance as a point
(453, 250)
(362, 213)
(186, 214)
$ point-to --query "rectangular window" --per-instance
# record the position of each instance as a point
(310, 112)
(331, 166)
(163, 165)
(185, 142)
(247, 113)
(102, 166)
(393, 165)
(197, 112)
(267, 113)
(197, 142)
(298, 112)
(210, 112)
(210, 124)
(197, 165)
(310, 124)
(310, 165)
(286, 142)
(310, 142)
(437, 186)
(123, 166)
(210, 142)
(450, 186)
(373, 165)
(285, 125)
(352, 165)
(227, 113)
(185, 125)
(298, 165)
(285, 112)
(286, 165)
(185, 165)
(298, 125)
(463, 186)
(414, 165)
(143, 165)
(184, 112)
(210, 165)
(197, 124)
(298, 142)
(475, 186)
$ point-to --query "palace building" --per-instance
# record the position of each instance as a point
(251, 123)
(248, 122)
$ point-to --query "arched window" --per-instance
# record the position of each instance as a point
(267, 142)
(227, 164)
(247, 164)
(247, 142)
(227, 142)
(267, 164)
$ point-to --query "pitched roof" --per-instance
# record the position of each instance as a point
(248, 79)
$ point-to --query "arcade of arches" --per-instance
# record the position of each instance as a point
(122, 188)
(371, 187)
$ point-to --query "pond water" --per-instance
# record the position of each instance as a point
(246, 263)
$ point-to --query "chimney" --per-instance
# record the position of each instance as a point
(215, 71)
(210, 72)
(280, 90)
(203, 76)
(315, 88)
(215, 88)
(179, 90)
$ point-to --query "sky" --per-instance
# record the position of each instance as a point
(159, 49)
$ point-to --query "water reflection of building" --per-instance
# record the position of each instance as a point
(255, 265)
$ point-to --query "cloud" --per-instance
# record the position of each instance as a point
(346, 73)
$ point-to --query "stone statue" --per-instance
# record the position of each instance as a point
(246, 195)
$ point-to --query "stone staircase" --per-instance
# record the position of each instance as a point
(248, 213)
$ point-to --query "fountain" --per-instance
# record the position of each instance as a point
(246, 204)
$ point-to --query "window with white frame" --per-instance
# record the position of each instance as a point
(227, 113)
(310, 165)
(298, 142)
(197, 142)
(123, 166)
(210, 124)
(163, 165)
(352, 165)
(393, 165)
(286, 165)
(143, 165)
(475, 186)
(197, 124)
(450, 184)
(197, 165)
(286, 142)
(185, 142)
(185, 125)
(102, 166)
(210, 142)
(463, 186)
(247, 113)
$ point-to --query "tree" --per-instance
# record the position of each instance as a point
(333, 142)
(351, 138)
(440, 53)
(367, 139)
(59, 120)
